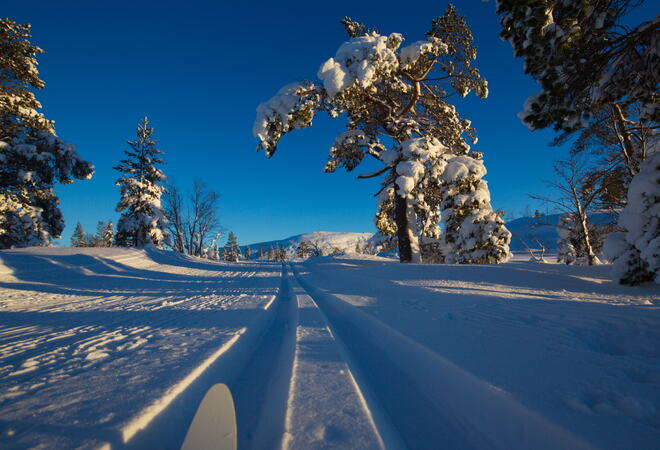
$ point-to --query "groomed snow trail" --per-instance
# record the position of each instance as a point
(326, 408)
(432, 401)
(518, 355)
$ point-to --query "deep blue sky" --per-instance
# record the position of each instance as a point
(199, 69)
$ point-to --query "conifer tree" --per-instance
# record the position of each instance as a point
(232, 251)
(635, 251)
(590, 65)
(395, 100)
(142, 221)
(246, 253)
(32, 157)
(79, 238)
(271, 252)
(108, 234)
(584, 59)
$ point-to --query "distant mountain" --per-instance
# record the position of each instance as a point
(327, 242)
(527, 230)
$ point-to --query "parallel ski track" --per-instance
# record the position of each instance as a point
(397, 376)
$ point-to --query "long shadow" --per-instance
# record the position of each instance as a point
(87, 275)
(162, 318)
(512, 274)
(30, 267)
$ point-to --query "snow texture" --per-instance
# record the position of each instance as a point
(116, 347)
(360, 61)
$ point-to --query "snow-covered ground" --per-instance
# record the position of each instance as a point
(116, 347)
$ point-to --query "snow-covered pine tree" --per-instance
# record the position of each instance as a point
(232, 251)
(473, 232)
(635, 252)
(215, 254)
(79, 237)
(589, 64)
(142, 221)
(566, 229)
(32, 157)
(395, 102)
(271, 252)
(247, 253)
(108, 234)
(584, 57)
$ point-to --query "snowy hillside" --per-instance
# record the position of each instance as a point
(526, 230)
(327, 242)
(115, 348)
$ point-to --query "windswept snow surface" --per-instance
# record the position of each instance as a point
(97, 343)
(117, 347)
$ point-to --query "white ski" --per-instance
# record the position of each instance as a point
(214, 424)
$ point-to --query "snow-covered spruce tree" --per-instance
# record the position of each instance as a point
(636, 251)
(395, 101)
(79, 237)
(588, 64)
(568, 239)
(32, 157)
(232, 251)
(108, 234)
(584, 59)
(247, 253)
(142, 221)
(473, 232)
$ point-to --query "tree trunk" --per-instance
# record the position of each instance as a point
(404, 215)
(624, 135)
(582, 215)
(401, 220)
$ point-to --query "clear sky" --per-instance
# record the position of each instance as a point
(198, 70)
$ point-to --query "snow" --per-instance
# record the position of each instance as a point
(116, 347)
(278, 108)
(326, 241)
(527, 231)
(361, 60)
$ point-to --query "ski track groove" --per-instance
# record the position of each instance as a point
(439, 417)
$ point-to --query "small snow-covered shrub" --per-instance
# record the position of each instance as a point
(635, 252)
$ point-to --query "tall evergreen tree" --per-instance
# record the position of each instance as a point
(32, 157)
(589, 66)
(584, 58)
(108, 234)
(232, 251)
(79, 237)
(396, 101)
(142, 221)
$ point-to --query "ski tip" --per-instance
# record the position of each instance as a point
(214, 425)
